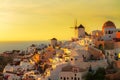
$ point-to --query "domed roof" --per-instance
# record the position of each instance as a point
(81, 26)
(108, 24)
(53, 39)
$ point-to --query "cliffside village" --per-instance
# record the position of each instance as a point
(69, 60)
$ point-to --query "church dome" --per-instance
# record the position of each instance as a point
(108, 24)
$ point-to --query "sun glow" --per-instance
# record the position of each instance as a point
(27, 20)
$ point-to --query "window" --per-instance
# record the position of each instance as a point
(109, 32)
(75, 70)
(49, 79)
(67, 78)
(75, 78)
(60, 77)
(64, 78)
(78, 78)
(76, 59)
(71, 59)
(75, 74)
(71, 77)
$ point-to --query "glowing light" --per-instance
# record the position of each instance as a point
(119, 55)
(67, 51)
(118, 34)
(36, 57)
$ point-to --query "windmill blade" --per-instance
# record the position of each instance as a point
(72, 27)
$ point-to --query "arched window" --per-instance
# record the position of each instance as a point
(67, 78)
(75, 78)
(109, 32)
(71, 59)
(49, 79)
(72, 78)
(64, 78)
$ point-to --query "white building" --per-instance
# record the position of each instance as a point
(109, 30)
(110, 55)
(72, 73)
(53, 42)
(31, 49)
(85, 41)
(81, 31)
(26, 64)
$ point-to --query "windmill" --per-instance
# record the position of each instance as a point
(75, 28)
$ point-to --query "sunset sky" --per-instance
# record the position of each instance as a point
(33, 20)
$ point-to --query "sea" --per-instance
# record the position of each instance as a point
(18, 45)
